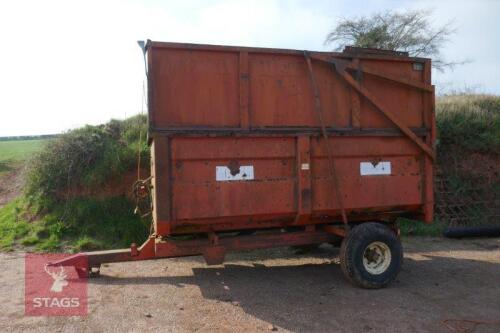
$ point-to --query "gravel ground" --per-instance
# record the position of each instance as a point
(277, 290)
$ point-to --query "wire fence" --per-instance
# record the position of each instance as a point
(465, 200)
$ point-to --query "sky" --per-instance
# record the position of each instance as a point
(64, 64)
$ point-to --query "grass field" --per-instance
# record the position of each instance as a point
(18, 150)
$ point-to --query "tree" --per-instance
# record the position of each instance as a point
(409, 31)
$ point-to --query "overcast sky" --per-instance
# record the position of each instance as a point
(66, 63)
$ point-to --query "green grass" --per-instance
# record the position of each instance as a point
(12, 227)
(469, 123)
(81, 224)
(15, 152)
(45, 218)
(419, 228)
(19, 150)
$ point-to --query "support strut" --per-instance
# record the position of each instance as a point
(331, 162)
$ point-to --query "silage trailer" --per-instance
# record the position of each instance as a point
(256, 148)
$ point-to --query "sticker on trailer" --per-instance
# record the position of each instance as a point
(224, 174)
(382, 168)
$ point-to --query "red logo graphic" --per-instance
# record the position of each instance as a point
(51, 289)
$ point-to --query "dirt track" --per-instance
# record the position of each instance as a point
(278, 290)
(10, 185)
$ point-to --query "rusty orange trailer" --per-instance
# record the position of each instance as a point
(257, 147)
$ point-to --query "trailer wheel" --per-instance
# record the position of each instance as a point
(371, 255)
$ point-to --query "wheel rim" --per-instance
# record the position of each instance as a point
(377, 258)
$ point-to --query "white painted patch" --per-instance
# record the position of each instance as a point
(370, 169)
(223, 174)
(304, 166)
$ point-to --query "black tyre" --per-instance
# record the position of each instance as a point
(371, 255)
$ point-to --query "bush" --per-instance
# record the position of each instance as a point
(58, 212)
(469, 122)
(85, 157)
(466, 189)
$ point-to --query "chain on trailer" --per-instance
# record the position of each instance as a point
(141, 188)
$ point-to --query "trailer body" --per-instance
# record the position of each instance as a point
(236, 140)
(255, 148)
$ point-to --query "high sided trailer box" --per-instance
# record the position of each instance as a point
(255, 147)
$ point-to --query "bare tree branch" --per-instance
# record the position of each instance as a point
(409, 31)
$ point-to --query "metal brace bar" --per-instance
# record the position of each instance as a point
(340, 67)
(375, 72)
(411, 83)
(331, 162)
